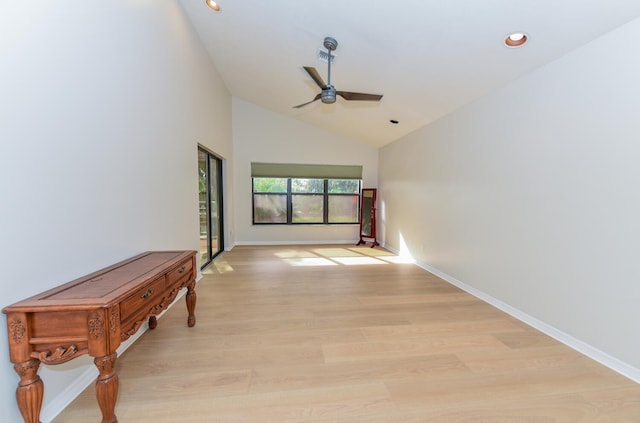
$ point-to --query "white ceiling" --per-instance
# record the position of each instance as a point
(428, 57)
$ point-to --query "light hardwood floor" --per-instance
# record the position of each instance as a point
(351, 334)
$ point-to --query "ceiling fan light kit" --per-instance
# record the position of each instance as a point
(328, 92)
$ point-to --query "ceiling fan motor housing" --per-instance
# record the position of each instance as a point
(328, 95)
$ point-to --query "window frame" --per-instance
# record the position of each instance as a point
(289, 194)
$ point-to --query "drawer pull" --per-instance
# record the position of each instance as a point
(148, 293)
(181, 270)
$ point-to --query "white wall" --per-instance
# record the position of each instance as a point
(531, 195)
(102, 105)
(260, 135)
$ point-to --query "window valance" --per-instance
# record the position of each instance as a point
(309, 171)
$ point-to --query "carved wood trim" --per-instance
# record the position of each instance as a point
(28, 371)
(105, 364)
(17, 330)
(60, 355)
(125, 335)
(96, 325)
(114, 318)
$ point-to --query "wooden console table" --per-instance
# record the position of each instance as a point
(93, 315)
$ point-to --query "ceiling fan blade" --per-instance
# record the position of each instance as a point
(313, 73)
(359, 96)
(308, 102)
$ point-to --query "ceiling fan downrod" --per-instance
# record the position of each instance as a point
(328, 95)
(330, 44)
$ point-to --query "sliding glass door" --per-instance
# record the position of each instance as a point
(210, 193)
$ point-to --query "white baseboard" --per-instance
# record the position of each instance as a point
(601, 357)
(59, 402)
(325, 242)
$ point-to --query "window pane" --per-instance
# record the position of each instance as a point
(343, 208)
(203, 186)
(307, 185)
(215, 211)
(344, 186)
(269, 184)
(269, 208)
(307, 208)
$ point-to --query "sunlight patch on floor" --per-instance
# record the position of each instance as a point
(221, 266)
(374, 252)
(324, 256)
(309, 261)
(336, 255)
(352, 261)
(287, 254)
(336, 252)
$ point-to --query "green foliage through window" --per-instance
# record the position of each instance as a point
(269, 184)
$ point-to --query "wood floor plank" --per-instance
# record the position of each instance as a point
(295, 376)
(524, 340)
(316, 334)
(489, 326)
(314, 404)
(545, 357)
(408, 348)
(499, 388)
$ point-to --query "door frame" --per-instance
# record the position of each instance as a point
(206, 259)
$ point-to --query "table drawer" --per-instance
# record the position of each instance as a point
(143, 299)
(182, 272)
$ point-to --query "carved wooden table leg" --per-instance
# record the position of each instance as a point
(107, 387)
(153, 322)
(191, 303)
(30, 390)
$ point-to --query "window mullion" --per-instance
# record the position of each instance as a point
(325, 208)
(289, 202)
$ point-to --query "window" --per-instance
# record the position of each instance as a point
(286, 193)
(305, 200)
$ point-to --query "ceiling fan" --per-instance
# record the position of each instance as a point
(329, 92)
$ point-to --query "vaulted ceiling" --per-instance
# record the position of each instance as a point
(427, 57)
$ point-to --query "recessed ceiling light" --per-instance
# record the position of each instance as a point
(213, 5)
(517, 39)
